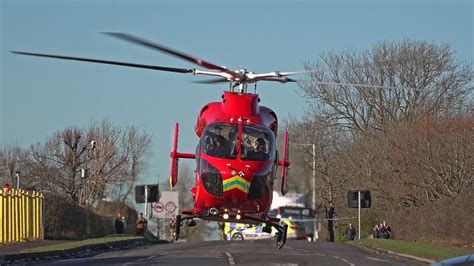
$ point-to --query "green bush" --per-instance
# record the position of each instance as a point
(64, 219)
(445, 221)
(368, 217)
(110, 210)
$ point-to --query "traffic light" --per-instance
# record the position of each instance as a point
(153, 193)
(365, 199)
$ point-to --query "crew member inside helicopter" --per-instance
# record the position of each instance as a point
(259, 151)
(217, 146)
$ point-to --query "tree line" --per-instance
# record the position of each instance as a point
(409, 141)
(111, 156)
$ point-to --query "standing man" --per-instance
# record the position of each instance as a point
(141, 225)
(118, 223)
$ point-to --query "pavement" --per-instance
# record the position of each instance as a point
(136, 251)
(411, 257)
(249, 252)
(16, 252)
(12, 248)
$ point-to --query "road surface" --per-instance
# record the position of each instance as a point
(262, 252)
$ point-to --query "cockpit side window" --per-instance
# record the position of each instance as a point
(220, 140)
(258, 143)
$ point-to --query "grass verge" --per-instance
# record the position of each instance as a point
(76, 244)
(414, 248)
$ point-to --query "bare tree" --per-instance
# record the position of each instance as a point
(330, 142)
(12, 159)
(114, 159)
(419, 78)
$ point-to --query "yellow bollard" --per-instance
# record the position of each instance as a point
(37, 228)
(20, 215)
(2, 213)
(28, 216)
(41, 224)
(17, 216)
(8, 216)
(23, 216)
(12, 217)
(33, 217)
(13, 213)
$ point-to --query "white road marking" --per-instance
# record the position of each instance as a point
(139, 260)
(346, 261)
(231, 260)
(372, 258)
(298, 250)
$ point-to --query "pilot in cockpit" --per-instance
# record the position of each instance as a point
(259, 150)
(217, 146)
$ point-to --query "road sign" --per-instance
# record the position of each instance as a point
(158, 207)
(168, 206)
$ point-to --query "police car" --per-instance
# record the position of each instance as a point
(234, 231)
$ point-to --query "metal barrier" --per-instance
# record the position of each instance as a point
(21, 216)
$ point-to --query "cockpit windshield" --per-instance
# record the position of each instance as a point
(258, 143)
(220, 140)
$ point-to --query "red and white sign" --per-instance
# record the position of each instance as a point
(168, 206)
(158, 207)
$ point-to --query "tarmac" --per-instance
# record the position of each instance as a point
(13, 252)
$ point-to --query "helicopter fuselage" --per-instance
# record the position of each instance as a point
(234, 175)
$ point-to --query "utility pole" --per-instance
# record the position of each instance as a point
(146, 200)
(313, 188)
(358, 206)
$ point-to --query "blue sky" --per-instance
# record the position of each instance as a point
(42, 96)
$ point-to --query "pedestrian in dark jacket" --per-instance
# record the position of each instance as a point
(376, 231)
(386, 229)
(350, 232)
(118, 224)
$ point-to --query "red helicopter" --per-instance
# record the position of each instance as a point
(236, 157)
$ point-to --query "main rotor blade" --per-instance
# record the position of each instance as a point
(161, 48)
(212, 81)
(161, 68)
(281, 79)
(350, 84)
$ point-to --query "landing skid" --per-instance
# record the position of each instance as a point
(270, 222)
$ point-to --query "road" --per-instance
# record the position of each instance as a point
(262, 252)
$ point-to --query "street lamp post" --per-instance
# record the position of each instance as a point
(17, 173)
(315, 228)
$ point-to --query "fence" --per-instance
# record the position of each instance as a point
(21, 216)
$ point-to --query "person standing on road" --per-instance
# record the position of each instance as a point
(350, 232)
(141, 225)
